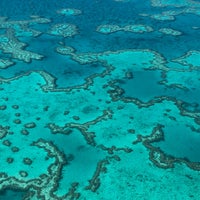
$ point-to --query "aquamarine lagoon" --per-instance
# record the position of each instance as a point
(100, 100)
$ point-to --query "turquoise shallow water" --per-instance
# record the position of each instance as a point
(99, 100)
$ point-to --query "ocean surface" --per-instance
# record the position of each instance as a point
(100, 100)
